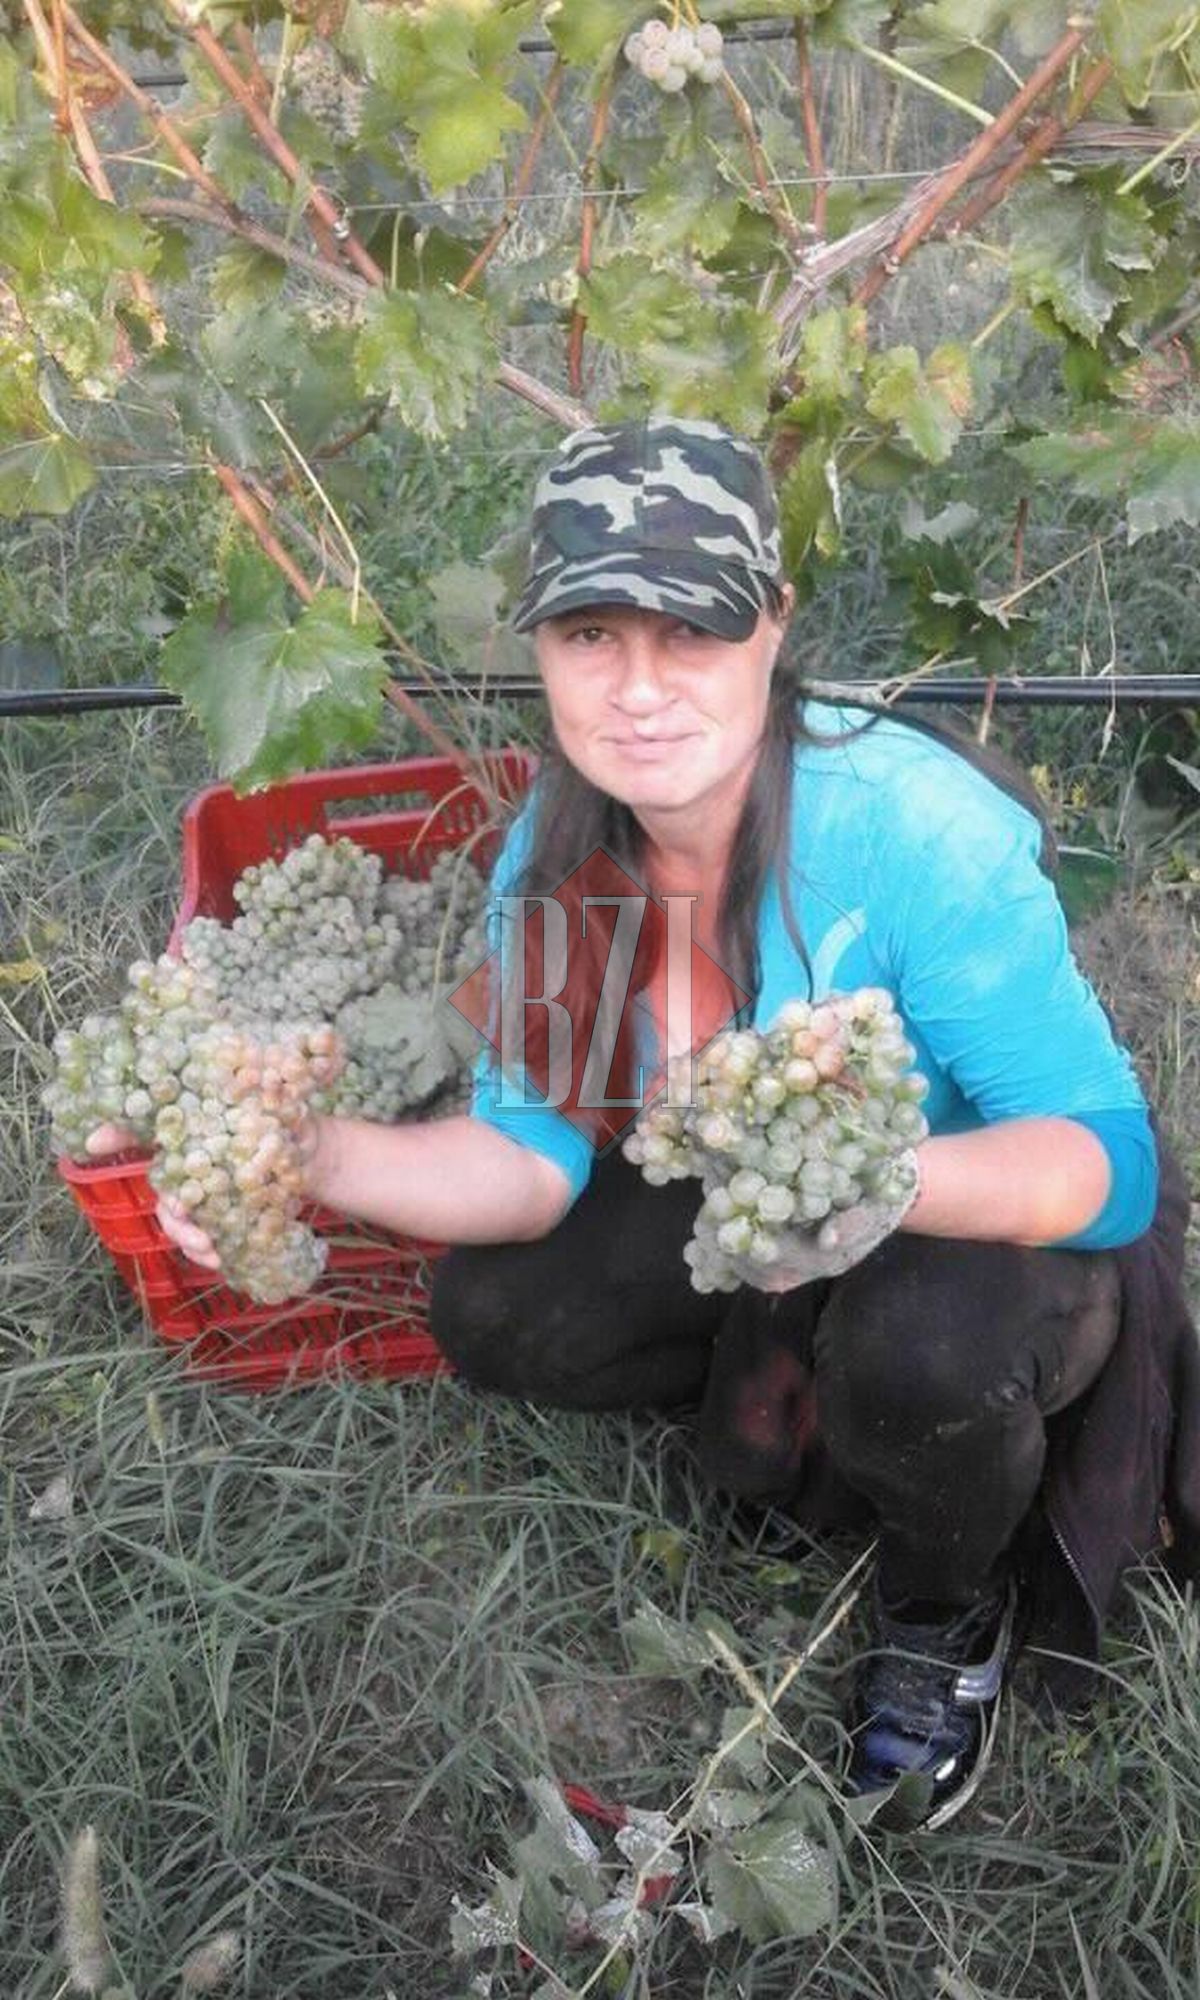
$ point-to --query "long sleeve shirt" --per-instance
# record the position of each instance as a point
(910, 869)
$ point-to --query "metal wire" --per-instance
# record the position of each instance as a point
(1048, 691)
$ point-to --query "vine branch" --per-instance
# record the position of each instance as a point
(52, 49)
(947, 184)
(773, 201)
(272, 140)
(521, 183)
(587, 228)
(163, 124)
(270, 505)
(814, 146)
(1036, 147)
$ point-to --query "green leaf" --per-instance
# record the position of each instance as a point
(1138, 33)
(629, 302)
(560, 1848)
(493, 1923)
(657, 1644)
(246, 276)
(591, 31)
(810, 515)
(429, 353)
(953, 520)
(774, 1879)
(190, 395)
(830, 361)
(235, 158)
(848, 22)
(467, 600)
(927, 405)
(693, 355)
(1072, 244)
(254, 349)
(461, 129)
(687, 206)
(949, 27)
(274, 696)
(1151, 463)
(444, 69)
(46, 474)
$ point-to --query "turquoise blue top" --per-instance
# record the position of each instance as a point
(910, 869)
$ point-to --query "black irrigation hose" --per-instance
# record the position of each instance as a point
(531, 45)
(1059, 691)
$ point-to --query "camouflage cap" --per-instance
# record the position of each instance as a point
(667, 514)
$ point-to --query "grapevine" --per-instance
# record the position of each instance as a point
(320, 996)
(786, 1129)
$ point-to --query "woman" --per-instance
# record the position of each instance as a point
(990, 1383)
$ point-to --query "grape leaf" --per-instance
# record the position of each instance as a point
(629, 301)
(429, 353)
(693, 355)
(927, 405)
(774, 1879)
(950, 27)
(591, 31)
(467, 600)
(246, 276)
(444, 70)
(810, 514)
(255, 349)
(1138, 33)
(235, 158)
(658, 1644)
(847, 22)
(58, 225)
(1152, 463)
(45, 474)
(831, 358)
(272, 695)
(687, 205)
(1071, 246)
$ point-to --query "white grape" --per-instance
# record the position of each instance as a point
(325, 993)
(789, 1128)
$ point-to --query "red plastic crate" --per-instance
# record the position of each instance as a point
(368, 1309)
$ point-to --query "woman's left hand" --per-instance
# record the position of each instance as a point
(837, 1244)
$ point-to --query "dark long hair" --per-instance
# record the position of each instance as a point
(574, 817)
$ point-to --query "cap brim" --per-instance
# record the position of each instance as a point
(723, 598)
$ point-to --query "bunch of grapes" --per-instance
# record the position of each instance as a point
(229, 1149)
(325, 994)
(398, 1061)
(787, 1128)
(326, 91)
(667, 57)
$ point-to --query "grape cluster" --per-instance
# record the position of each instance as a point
(787, 1128)
(326, 91)
(667, 57)
(230, 1150)
(325, 994)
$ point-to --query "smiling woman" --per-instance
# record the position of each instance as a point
(997, 1368)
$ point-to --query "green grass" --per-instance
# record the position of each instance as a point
(294, 1656)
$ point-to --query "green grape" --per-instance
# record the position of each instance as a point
(324, 993)
(788, 1128)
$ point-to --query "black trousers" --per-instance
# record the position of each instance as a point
(913, 1391)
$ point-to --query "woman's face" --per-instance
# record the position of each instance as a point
(652, 710)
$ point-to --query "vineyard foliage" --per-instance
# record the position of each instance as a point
(260, 240)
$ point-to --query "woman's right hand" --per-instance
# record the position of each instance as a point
(195, 1243)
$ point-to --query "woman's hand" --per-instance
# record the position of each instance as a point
(173, 1219)
(842, 1240)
